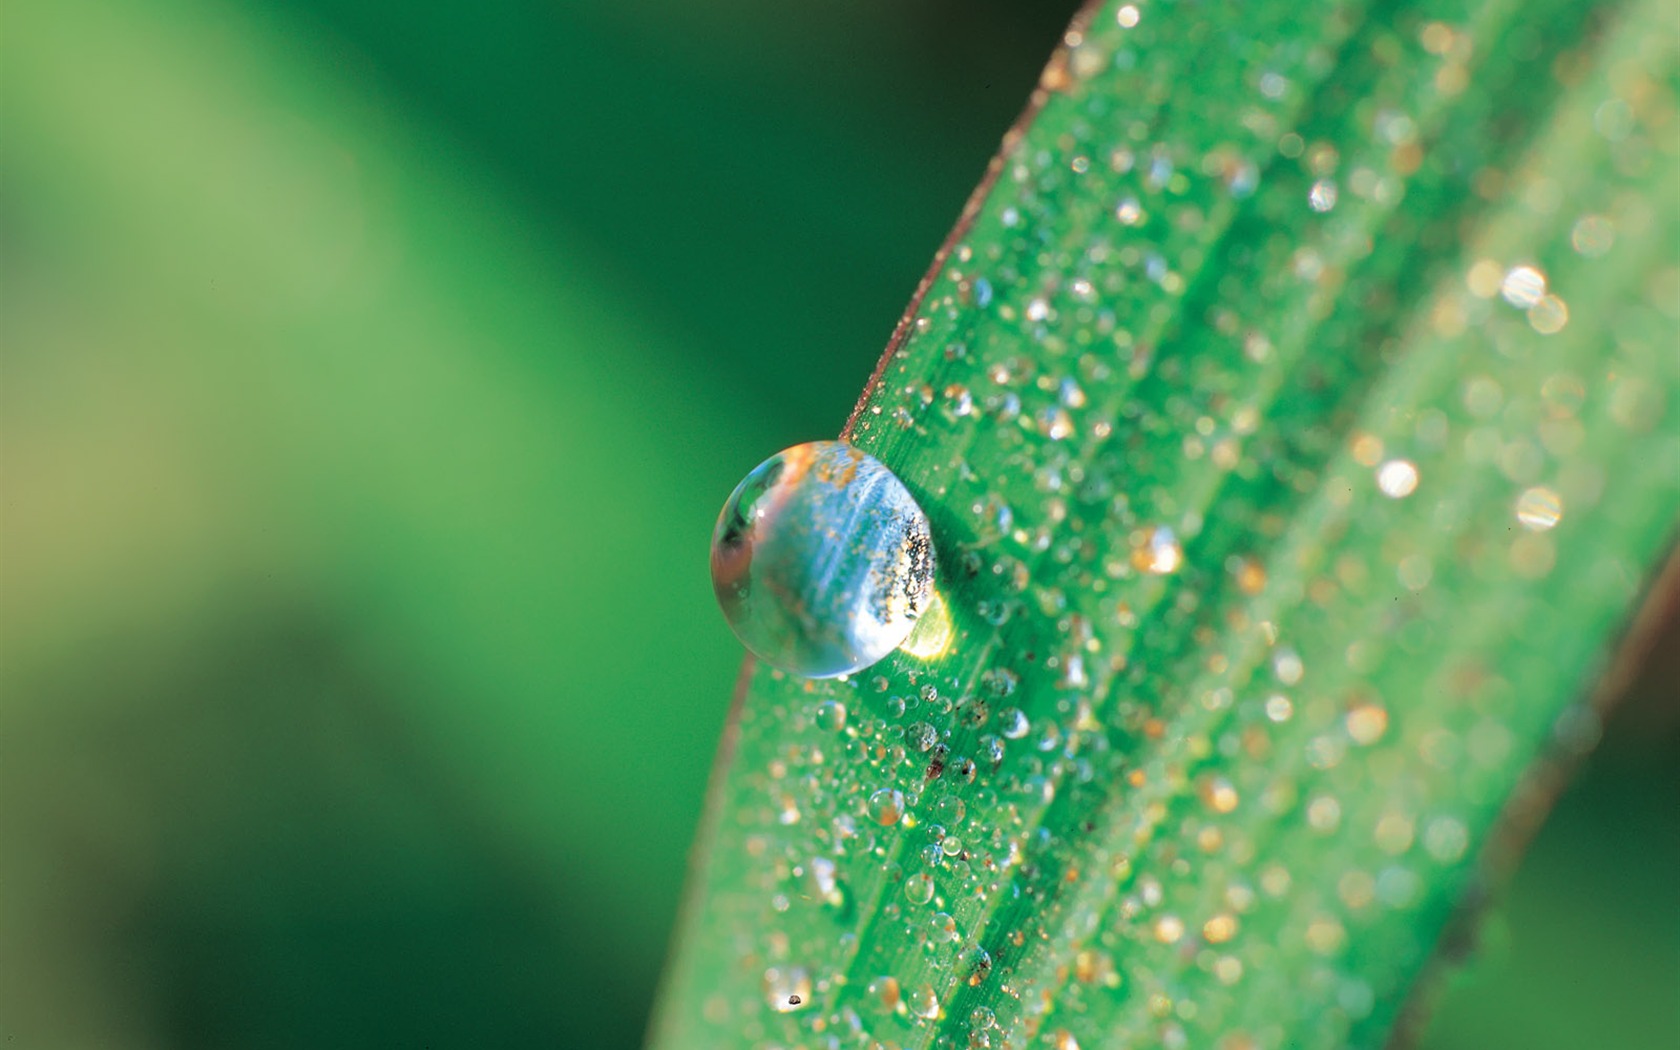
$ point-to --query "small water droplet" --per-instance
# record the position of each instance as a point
(999, 682)
(1219, 929)
(1287, 665)
(1367, 723)
(882, 994)
(942, 928)
(1523, 286)
(961, 400)
(1593, 236)
(1324, 814)
(1168, 929)
(1446, 839)
(1539, 508)
(1397, 478)
(924, 1002)
(786, 988)
(921, 736)
(831, 716)
(886, 806)
(1218, 794)
(1159, 554)
(1548, 315)
(918, 888)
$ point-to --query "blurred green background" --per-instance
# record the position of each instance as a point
(372, 376)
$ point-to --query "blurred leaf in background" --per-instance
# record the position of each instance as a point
(371, 381)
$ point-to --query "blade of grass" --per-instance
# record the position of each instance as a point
(1294, 406)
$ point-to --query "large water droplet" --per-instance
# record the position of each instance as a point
(821, 560)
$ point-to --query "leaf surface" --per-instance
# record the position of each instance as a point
(1295, 408)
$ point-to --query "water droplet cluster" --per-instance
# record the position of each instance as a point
(1261, 601)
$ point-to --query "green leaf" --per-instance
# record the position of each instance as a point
(1297, 408)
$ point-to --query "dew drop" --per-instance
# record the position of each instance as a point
(1539, 508)
(942, 928)
(1397, 478)
(1523, 286)
(886, 806)
(960, 399)
(821, 560)
(921, 736)
(999, 681)
(1593, 236)
(951, 810)
(1325, 935)
(924, 1002)
(1287, 665)
(1324, 814)
(824, 876)
(1446, 839)
(918, 888)
(1218, 794)
(786, 989)
(1159, 554)
(1219, 929)
(882, 994)
(831, 716)
(1548, 315)
(1366, 724)
(1168, 929)
(829, 888)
